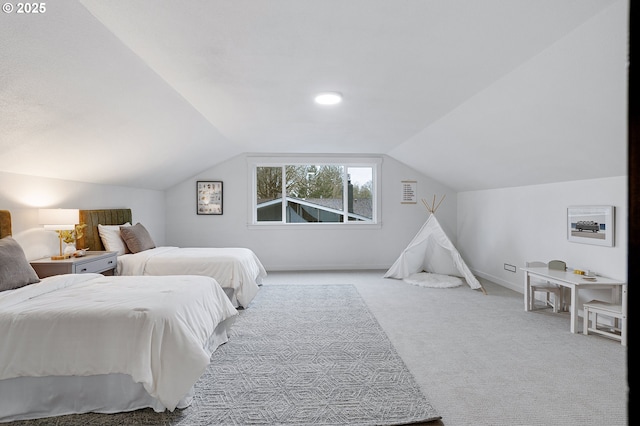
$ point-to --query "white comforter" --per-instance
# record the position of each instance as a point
(154, 329)
(235, 268)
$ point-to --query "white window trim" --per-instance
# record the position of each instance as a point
(275, 160)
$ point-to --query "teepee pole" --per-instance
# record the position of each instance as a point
(441, 200)
(433, 207)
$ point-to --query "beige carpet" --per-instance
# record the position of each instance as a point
(483, 360)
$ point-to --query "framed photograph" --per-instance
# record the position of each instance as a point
(591, 225)
(209, 194)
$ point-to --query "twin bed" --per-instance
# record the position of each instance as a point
(237, 270)
(93, 343)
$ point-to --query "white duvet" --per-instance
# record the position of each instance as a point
(154, 329)
(235, 268)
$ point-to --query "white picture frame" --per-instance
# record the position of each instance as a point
(591, 225)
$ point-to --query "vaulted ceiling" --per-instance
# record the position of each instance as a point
(476, 94)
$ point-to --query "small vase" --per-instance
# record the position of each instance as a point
(70, 249)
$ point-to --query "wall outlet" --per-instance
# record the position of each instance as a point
(510, 268)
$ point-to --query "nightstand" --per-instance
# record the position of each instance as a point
(99, 262)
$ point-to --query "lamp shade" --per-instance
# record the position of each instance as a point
(58, 219)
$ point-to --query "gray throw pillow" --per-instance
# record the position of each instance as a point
(137, 238)
(15, 270)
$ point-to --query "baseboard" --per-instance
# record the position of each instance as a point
(361, 267)
(340, 267)
(512, 286)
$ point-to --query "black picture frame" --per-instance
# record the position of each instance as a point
(209, 197)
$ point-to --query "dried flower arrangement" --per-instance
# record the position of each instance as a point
(70, 237)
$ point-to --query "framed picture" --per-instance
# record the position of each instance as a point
(591, 225)
(209, 194)
(409, 192)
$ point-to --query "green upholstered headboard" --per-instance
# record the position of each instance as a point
(93, 218)
(5, 223)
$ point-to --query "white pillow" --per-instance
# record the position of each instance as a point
(111, 238)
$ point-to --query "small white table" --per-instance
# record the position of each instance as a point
(573, 281)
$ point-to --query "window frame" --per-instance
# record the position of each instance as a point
(255, 161)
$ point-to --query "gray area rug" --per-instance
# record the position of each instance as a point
(300, 355)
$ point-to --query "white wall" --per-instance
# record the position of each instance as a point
(489, 227)
(22, 195)
(305, 249)
(515, 225)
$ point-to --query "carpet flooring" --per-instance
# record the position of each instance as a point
(300, 355)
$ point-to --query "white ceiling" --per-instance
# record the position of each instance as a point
(476, 94)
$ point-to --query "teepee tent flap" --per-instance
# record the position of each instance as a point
(432, 251)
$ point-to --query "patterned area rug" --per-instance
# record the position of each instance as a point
(300, 355)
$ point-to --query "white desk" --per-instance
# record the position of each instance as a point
(574, 282)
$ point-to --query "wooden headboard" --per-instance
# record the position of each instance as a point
(5, 223)
(92, 218)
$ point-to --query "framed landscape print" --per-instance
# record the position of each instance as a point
(591, 225)
(209, 195)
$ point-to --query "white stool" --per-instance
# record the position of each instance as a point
(616, 312)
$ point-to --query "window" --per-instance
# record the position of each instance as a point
(314, 191)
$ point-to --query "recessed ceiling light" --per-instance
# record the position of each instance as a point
(328, 98)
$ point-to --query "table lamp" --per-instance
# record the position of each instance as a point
(58, 220)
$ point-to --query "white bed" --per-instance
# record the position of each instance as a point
(238, 270)
(81, 343)
(155, 334)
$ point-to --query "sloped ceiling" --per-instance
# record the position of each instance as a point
(476, 94)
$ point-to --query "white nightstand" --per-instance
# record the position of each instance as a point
(99, 262)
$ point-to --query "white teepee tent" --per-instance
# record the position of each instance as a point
(432, 251)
